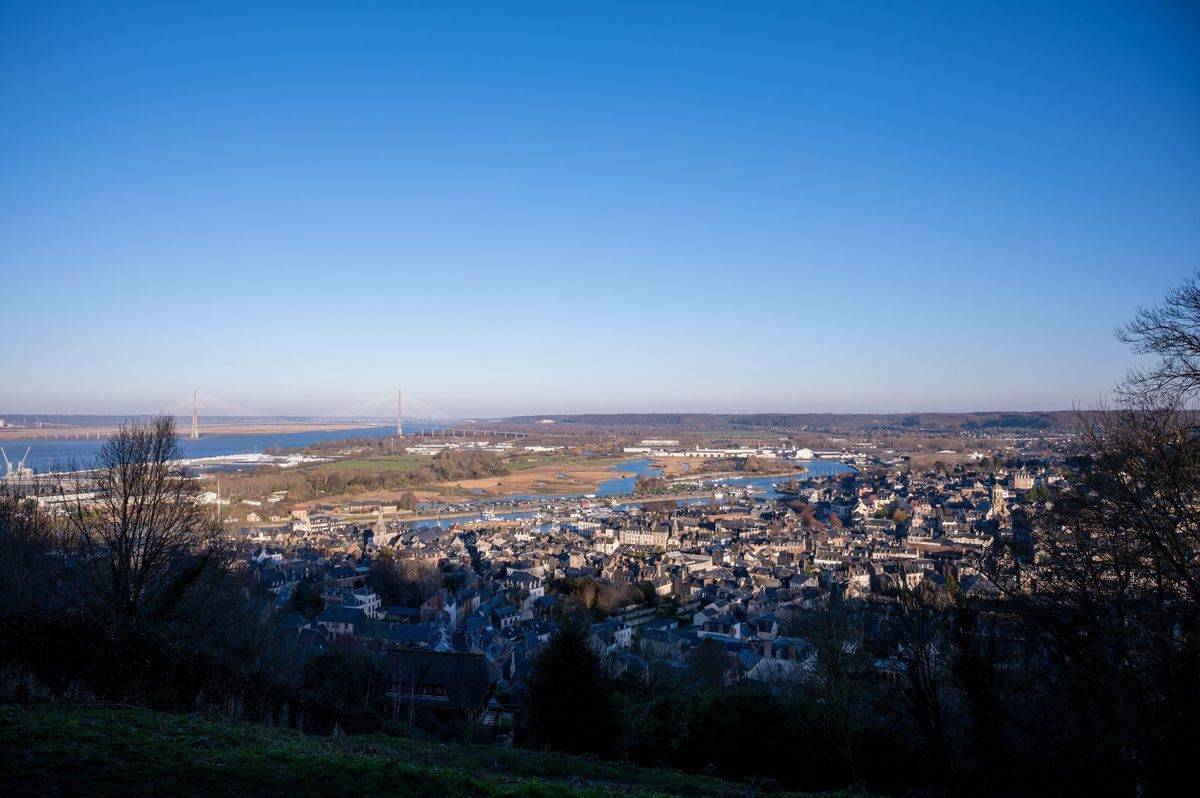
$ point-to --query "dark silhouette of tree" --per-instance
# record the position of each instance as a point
(917, 621)
(706, 664)
(836, 632)
(1110, 606)
(1171, 331)
(569, 706)
(146, 550)
(974, 662)
(1114, 604)
(405, 582)
(27, 561)
(343, 674)
(307, 599)
(735, 732)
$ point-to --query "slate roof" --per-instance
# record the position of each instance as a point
(439, 679)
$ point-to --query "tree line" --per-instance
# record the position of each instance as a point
(313, 482)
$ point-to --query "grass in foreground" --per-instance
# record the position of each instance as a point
(87, 752)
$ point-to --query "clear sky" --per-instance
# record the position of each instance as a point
(526, 207)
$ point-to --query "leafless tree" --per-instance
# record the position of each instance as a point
(1113, 607)
(147, 550)
(1171, 331)
(1113, 604)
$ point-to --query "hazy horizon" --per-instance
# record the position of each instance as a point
(562, 208)
(375, 418)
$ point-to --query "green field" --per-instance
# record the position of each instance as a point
(91, 752)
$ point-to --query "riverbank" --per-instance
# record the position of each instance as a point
(219, 440)
(558, 478)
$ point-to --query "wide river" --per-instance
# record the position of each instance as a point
(51, 453)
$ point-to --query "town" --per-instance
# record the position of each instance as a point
(704, 559)
(658, 576)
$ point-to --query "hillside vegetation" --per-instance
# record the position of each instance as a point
(119, 751)
(732, 422)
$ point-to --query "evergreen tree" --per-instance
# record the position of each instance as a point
(569, 707)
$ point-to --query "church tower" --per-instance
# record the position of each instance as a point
(999, 504)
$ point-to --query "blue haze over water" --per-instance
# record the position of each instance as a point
(47, 453)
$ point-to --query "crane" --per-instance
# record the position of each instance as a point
(12, 474)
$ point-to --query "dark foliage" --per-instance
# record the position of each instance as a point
(306, 599)
(569, 702)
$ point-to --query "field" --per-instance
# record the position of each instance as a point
(550, 475)
(399, 462)
(93, 752)
(555, 474)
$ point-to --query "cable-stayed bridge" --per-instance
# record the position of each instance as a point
(234, 428)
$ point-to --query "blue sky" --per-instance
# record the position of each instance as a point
(526, 207)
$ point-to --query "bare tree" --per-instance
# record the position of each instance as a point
(1111, 603)
(1171, 331)
(146, 548)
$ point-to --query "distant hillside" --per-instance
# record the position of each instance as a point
(90, 752)
(730, 422)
